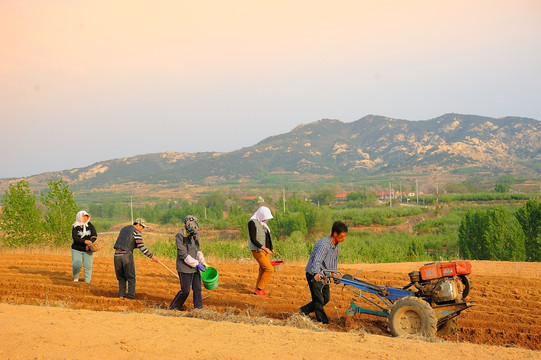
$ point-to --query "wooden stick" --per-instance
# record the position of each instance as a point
(171, 271)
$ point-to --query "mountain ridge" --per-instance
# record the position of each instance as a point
(371, 145)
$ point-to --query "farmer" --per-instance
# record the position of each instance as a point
(324, 256)
(260, 243)
(129, 238)
(190, 261)
(83, 234)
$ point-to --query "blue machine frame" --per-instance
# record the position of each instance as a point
(386, 294)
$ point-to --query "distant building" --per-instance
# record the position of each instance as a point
(259, 199)
(387, 195)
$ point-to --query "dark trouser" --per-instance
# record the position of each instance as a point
(125, 271)
(188, 281)
(320, 297)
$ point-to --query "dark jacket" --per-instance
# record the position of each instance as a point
(79, 238)
(126, 240)
(187, 246)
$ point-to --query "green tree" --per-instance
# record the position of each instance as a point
(214, 203)
(324, 196)
(296, 205)
(118, 211)
(20, 219)
(61, 211)
(284, 224)
(239, 219)
(502, 188)
(359, 199)
(504, 236)
(529, 217)
(471, 235)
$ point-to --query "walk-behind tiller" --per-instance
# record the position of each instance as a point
(439, 297)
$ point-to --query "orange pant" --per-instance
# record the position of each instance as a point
(265, 268)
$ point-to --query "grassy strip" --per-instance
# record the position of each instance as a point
(380, 216)
(359, 247)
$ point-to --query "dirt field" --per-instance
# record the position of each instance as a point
(507, 296)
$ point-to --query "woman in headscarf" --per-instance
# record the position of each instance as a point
(261, 245)
(190, 262)
(83, 234)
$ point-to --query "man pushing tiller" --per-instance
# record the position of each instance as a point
(324, 256)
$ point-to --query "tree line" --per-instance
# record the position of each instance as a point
(498, 234)
(22, 222)
(494, 233)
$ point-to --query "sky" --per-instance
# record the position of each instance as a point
(88, 81)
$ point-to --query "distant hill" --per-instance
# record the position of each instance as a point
(371, 145)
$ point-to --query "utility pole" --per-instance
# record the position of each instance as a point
(284, 196)
(131, 209)
(417, 191)
(401, 200)
(437, 193)
(390, 196)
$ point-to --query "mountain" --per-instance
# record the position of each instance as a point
(371, 145)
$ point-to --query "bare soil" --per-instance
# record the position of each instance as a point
(507, 312)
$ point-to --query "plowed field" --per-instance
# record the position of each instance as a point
(507, 296)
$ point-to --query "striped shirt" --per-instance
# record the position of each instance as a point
(324, 256)
(138, 237)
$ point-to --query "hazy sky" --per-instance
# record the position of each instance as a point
(85, 81)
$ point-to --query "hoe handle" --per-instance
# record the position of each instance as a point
(171, 271)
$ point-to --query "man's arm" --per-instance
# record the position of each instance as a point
(141, 245)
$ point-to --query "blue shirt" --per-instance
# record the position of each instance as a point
(324, 256)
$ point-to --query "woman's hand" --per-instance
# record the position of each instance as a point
(265, 249)
(88, 242)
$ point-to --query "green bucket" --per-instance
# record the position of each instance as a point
(210, 278)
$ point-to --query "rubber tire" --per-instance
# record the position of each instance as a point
(450, 327)
(412, 317)
(467, 285)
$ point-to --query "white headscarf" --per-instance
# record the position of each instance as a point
(262, 214)
(79, 220)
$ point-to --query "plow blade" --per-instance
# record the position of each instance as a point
(447, 312)
(355, 309)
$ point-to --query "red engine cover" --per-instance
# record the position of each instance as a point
(450, 268)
